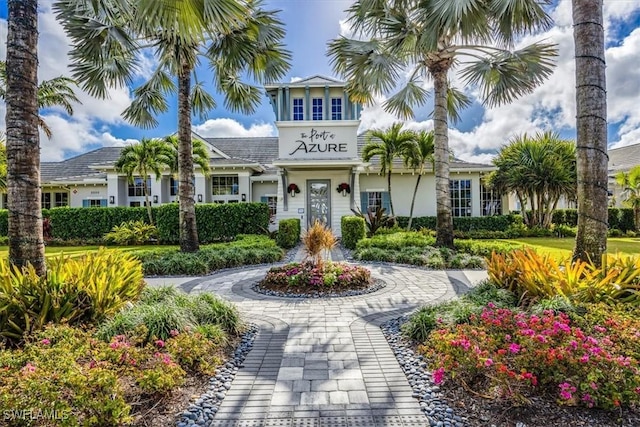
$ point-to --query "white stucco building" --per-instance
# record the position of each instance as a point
(317, 150)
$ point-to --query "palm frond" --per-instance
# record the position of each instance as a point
(238, 95)
(201, 101)
(456, 102)
(517, 17)
(57, 92)
(504, 75)
(150, 100)
(403, 101)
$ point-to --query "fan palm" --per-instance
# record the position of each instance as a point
(389, 145)
(142, 158)
(26, 244)
(539, 170)
(416, 157)
(591, 126)
(237, 38)
(56, 92)
(426, 40)
(630, 184)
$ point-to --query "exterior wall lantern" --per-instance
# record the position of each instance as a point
(344, 189)
(199, 198)
(112, 200)
(244, 197)
(155, 199)
(293, 189)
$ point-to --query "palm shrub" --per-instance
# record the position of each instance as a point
(86, 289)
(132, 233)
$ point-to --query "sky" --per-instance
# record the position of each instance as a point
(310, 25)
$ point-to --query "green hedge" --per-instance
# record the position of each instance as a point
(288, 233)
(486, 223)
(215, 222)
(353, 230)
(619, 218)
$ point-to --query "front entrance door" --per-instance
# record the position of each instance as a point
(319, 201)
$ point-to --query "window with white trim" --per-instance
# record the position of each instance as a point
(224, 185)
(136, 188)
(336, 108)
(316, 104)
(460, 193)
(490, 201)
(298, 109)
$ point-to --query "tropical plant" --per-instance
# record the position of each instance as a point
(630, 184)
(427, 39)
(389, 144)
(26, 244)
(539, 170)
(199, 152)
(237, 38)
(139, 160)
(591, 126)
(56, 92)
(375, 219)
(416, 157)
(316, 239)
(132, 233)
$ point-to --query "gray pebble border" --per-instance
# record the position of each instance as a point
(202, 410)
(376, 286)
(414, 366)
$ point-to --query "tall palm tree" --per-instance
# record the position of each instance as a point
(51, 93)
(3, 161)
(426, 40)
(237, 37)
(416, 157)
(142, 158)
(591, 126)
(539, 170)
(630, 184)
(389, 144)
(26, 244)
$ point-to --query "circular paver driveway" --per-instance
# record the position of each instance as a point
(324, 362)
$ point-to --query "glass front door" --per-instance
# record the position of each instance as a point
(319, 202)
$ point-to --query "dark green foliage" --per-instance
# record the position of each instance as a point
(244, 250)
(288, 233)
(619, 218)
(375, 220)
(626, 220)
(614, 218)
(484, 223)
(4, 222)
(216, 222)
(482, 248)
(91, 223)
(353, 230)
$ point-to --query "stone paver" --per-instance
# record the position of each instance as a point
(325, 362)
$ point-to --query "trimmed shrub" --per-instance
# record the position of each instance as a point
(216, 222)
(614, 218)
(485, 223)
(627, 221)
(353, 230)
(288, 233)
(91, 223)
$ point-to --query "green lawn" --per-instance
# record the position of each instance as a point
(75, 251)
(562, 247)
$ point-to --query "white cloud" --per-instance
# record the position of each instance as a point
(295, 79)
(231, 128)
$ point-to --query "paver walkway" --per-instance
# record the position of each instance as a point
(325, 362)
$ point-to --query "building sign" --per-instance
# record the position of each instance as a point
(318, 142)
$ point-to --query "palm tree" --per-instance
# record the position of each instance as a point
(630, 184)
(142, 158)
(426, 40)
(26, 244)
(591, 126)
(388, 144)
(200, 154)
(416, 157)
(539, 170)
(51, 93)
(238, 39)
(3, 161)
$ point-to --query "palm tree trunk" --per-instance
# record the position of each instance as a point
(591, 112)
(188, 229)
(413, 201)
(146, 198)
(389, 189)
(444, 219)
(26, 244)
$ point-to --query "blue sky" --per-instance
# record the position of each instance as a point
(310, 24)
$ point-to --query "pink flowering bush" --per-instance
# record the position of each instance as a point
(309, 275)
(504, 353)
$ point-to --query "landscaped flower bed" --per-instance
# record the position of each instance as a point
(316, 279)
